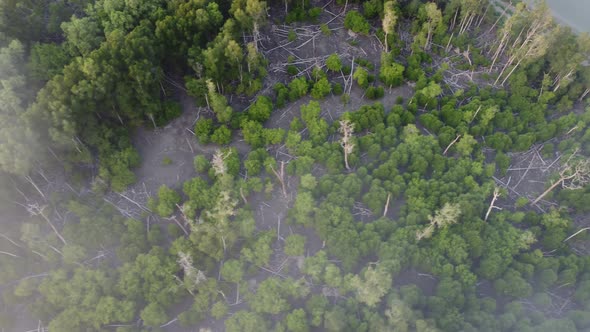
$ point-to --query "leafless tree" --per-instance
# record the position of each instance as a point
(346, 129)
(492, 206)
(192, 276)
(574, 174)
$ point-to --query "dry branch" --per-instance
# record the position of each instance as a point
(386, 205)
(494, 198)
(280, 175)
(451, 144)
(576, 233)
(572, 176)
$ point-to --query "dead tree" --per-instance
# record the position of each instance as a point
(447, 215)
(280, 175)
(218, 163)
(346, 129)
(492, 206)
(573, 175)
(192, 276)
(530, 44)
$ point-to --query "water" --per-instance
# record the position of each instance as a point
(575, 13)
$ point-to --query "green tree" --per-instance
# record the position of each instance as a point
(221, 135)
(245, 321)
(167, 200)
(201, 164)
(321, 88)
(466, 145)
(253, 133)
(270, 297)
(295, 245)
(19, 146)
(232, 271)
(203, 130)
(298, 88)
(154, 315)
(83, 35)
(334, 63)
(362, 77)
(261, 109)
(374, 284)
(219, 104)
(318, 128)
(219, 310)
(260, 250)
(391, 73)
(297, 321)
(389, 21)
(356, 22)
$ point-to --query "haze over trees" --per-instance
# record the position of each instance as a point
(293, 166)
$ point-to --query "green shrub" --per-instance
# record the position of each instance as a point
(337, 89)
(201, 164)
(166, 161)
(292, 70)
(334, 63)
(372, 8)
(321, 88)
(374, 92)
(314, 13)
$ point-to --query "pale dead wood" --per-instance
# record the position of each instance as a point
(279, 237)
(576, 233)
(280, 175)
(525, 172)
(180, 225)
(242, 195)
(136, 203)
(346, 129)
(494, 198)
(273, 272)
(36, 210)
(571, 130)
(30, 180)
(572, 176)
(386, 205)
(451, 144)
(9, 254)
(190, 145)
(170, 322)
(10, 240)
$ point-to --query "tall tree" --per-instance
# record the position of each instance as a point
(346, 129)
(447, 215)
(389, 21)
(251, 15)
(433, 20)
(570, 51)
(531, 41)
(19, 146)
(375, 283)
